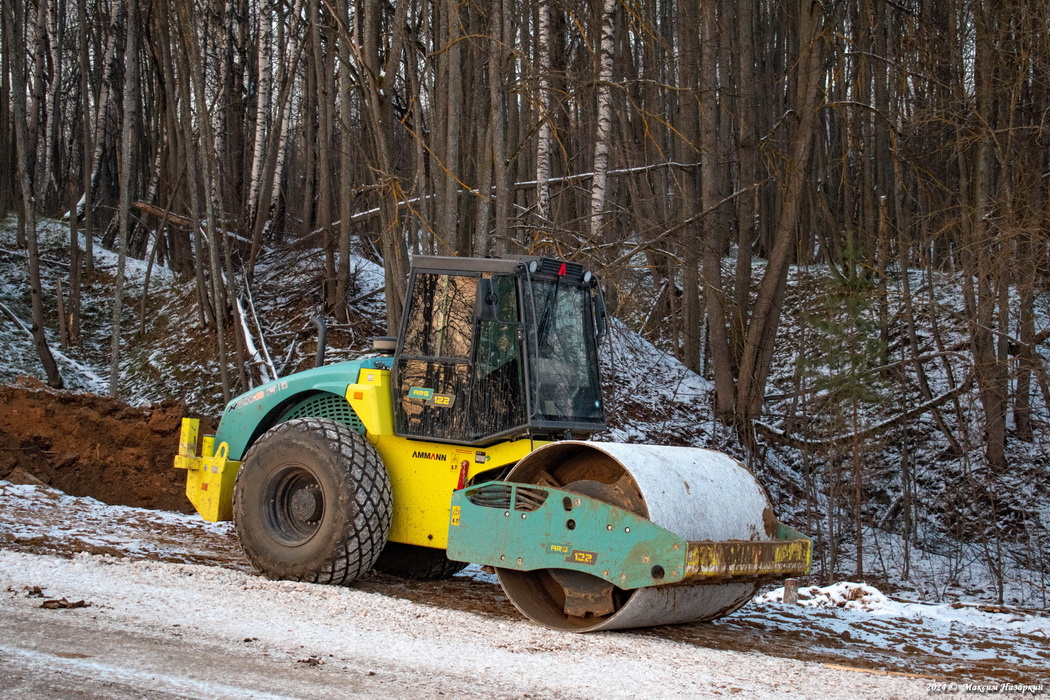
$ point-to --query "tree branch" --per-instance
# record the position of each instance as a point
(782, 438)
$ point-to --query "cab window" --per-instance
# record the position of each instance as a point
(441, 316)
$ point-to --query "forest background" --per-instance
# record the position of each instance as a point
(692, 153)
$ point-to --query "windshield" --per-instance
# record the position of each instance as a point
(564, 375)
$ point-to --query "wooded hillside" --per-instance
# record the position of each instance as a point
(700, 150)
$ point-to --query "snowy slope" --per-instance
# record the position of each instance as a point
(651, 398)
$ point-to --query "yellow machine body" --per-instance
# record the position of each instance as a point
(210, 476)
(423, 474)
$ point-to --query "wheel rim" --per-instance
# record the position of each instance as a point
(294, 506)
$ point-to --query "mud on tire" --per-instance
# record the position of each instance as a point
(312, 502)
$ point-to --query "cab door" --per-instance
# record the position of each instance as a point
(433, 364)
(499, 401)
(459, 370)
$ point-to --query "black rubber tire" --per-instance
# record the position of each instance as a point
(415, 562)
(312, 502)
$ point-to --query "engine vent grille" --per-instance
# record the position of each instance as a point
(498, 496)
(529, 500)
(326, 405)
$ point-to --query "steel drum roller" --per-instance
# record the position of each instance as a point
(697, 494)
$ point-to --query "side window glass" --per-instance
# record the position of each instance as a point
(433, 399)
(498, 340)
(507, 291)
(564, 374)
(499, 397)
(441, 317)
(497, 345)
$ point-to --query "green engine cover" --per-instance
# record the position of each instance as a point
(249, 414)
(525, 528)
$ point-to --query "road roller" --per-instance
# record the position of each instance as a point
(467, 439)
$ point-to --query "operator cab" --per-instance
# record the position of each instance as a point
(492, 349)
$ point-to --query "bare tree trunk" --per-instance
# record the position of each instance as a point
(128, 146)
(88, 146)
(691, 64)
(544, 135)
(603, 123)
(378, 93)
(283, 124)
(747, 157)
(519, 164)
(13, 19)
(262, 110)
(417, 241)
(719, 322)
(980, 287)
(8, 162)
(270, 179)
(765, 319)
(1027, 360)
(324, 97)
(36, 120)
(448, 221)
(75, 269)
(191, 60)
(346, 164)
(486, 162)
(105, 113)
(501, 62)
(52, 132)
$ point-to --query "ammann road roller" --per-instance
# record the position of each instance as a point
(466, 439)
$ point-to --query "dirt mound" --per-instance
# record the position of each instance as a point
(88, 445)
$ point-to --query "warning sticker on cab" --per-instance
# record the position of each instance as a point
(455, 515)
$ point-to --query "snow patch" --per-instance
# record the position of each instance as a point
(862, 598)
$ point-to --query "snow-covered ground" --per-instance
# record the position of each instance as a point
(171, 609)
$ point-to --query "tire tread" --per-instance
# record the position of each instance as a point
(359, 545)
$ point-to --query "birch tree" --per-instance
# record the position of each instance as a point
(14, 18)
(543, 114)
(88, 149)
(263, 109)
(603, 124)
(128, 145)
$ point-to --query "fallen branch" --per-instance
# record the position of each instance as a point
(783, 438)
(177, 219)
(18, 322)
(181, 221)
(49, 261)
